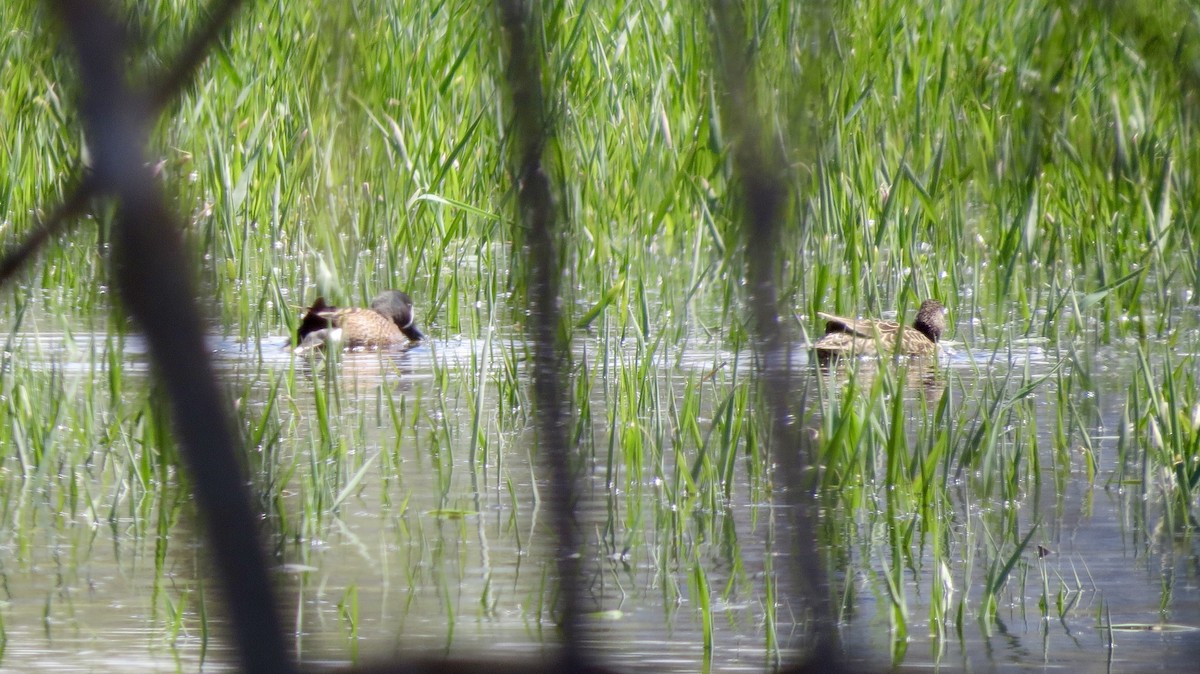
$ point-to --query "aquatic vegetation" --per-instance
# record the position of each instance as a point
(1031, 165)
(1163, 408)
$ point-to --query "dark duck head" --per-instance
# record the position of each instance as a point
(398, 307)
(931, 320)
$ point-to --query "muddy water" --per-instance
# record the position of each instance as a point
(403, 528)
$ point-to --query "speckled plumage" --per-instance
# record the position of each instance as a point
(388, 322)
(867, 337)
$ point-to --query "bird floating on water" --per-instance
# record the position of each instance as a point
(388, 322)
(869, 337)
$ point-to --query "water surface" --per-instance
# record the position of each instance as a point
(407, 518)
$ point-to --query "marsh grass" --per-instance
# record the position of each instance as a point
(1165, 411)
(383, 170)
(1031, 165)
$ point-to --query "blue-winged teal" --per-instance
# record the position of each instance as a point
(389, 321)
(865, 337)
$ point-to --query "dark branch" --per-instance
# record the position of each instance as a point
(537, 215)
(170, 84)
(152, 276)
(77, 197)
(761, 172)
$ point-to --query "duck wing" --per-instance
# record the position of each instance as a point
(859, 327)
(365, 328)
(315, 319)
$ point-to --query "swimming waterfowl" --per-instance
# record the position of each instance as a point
(389, 321)
(868, 337)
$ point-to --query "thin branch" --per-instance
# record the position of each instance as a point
(170, 84)
(77, 197)
(537, 215)
(193, 54)
(153, 278)
(761, 172)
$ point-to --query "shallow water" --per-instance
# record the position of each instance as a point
(400, 527)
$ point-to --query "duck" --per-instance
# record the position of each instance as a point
(388, 322)
(870, 337)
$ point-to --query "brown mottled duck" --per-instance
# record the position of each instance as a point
(869, 337)
(388, 322)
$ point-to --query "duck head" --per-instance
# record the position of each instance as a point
(931, 320)
(398, 307)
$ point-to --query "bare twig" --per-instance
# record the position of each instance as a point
(192, 55)
(170, 84)
(761, 172)
(536, 205)
(77, 197)
(152, 275)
